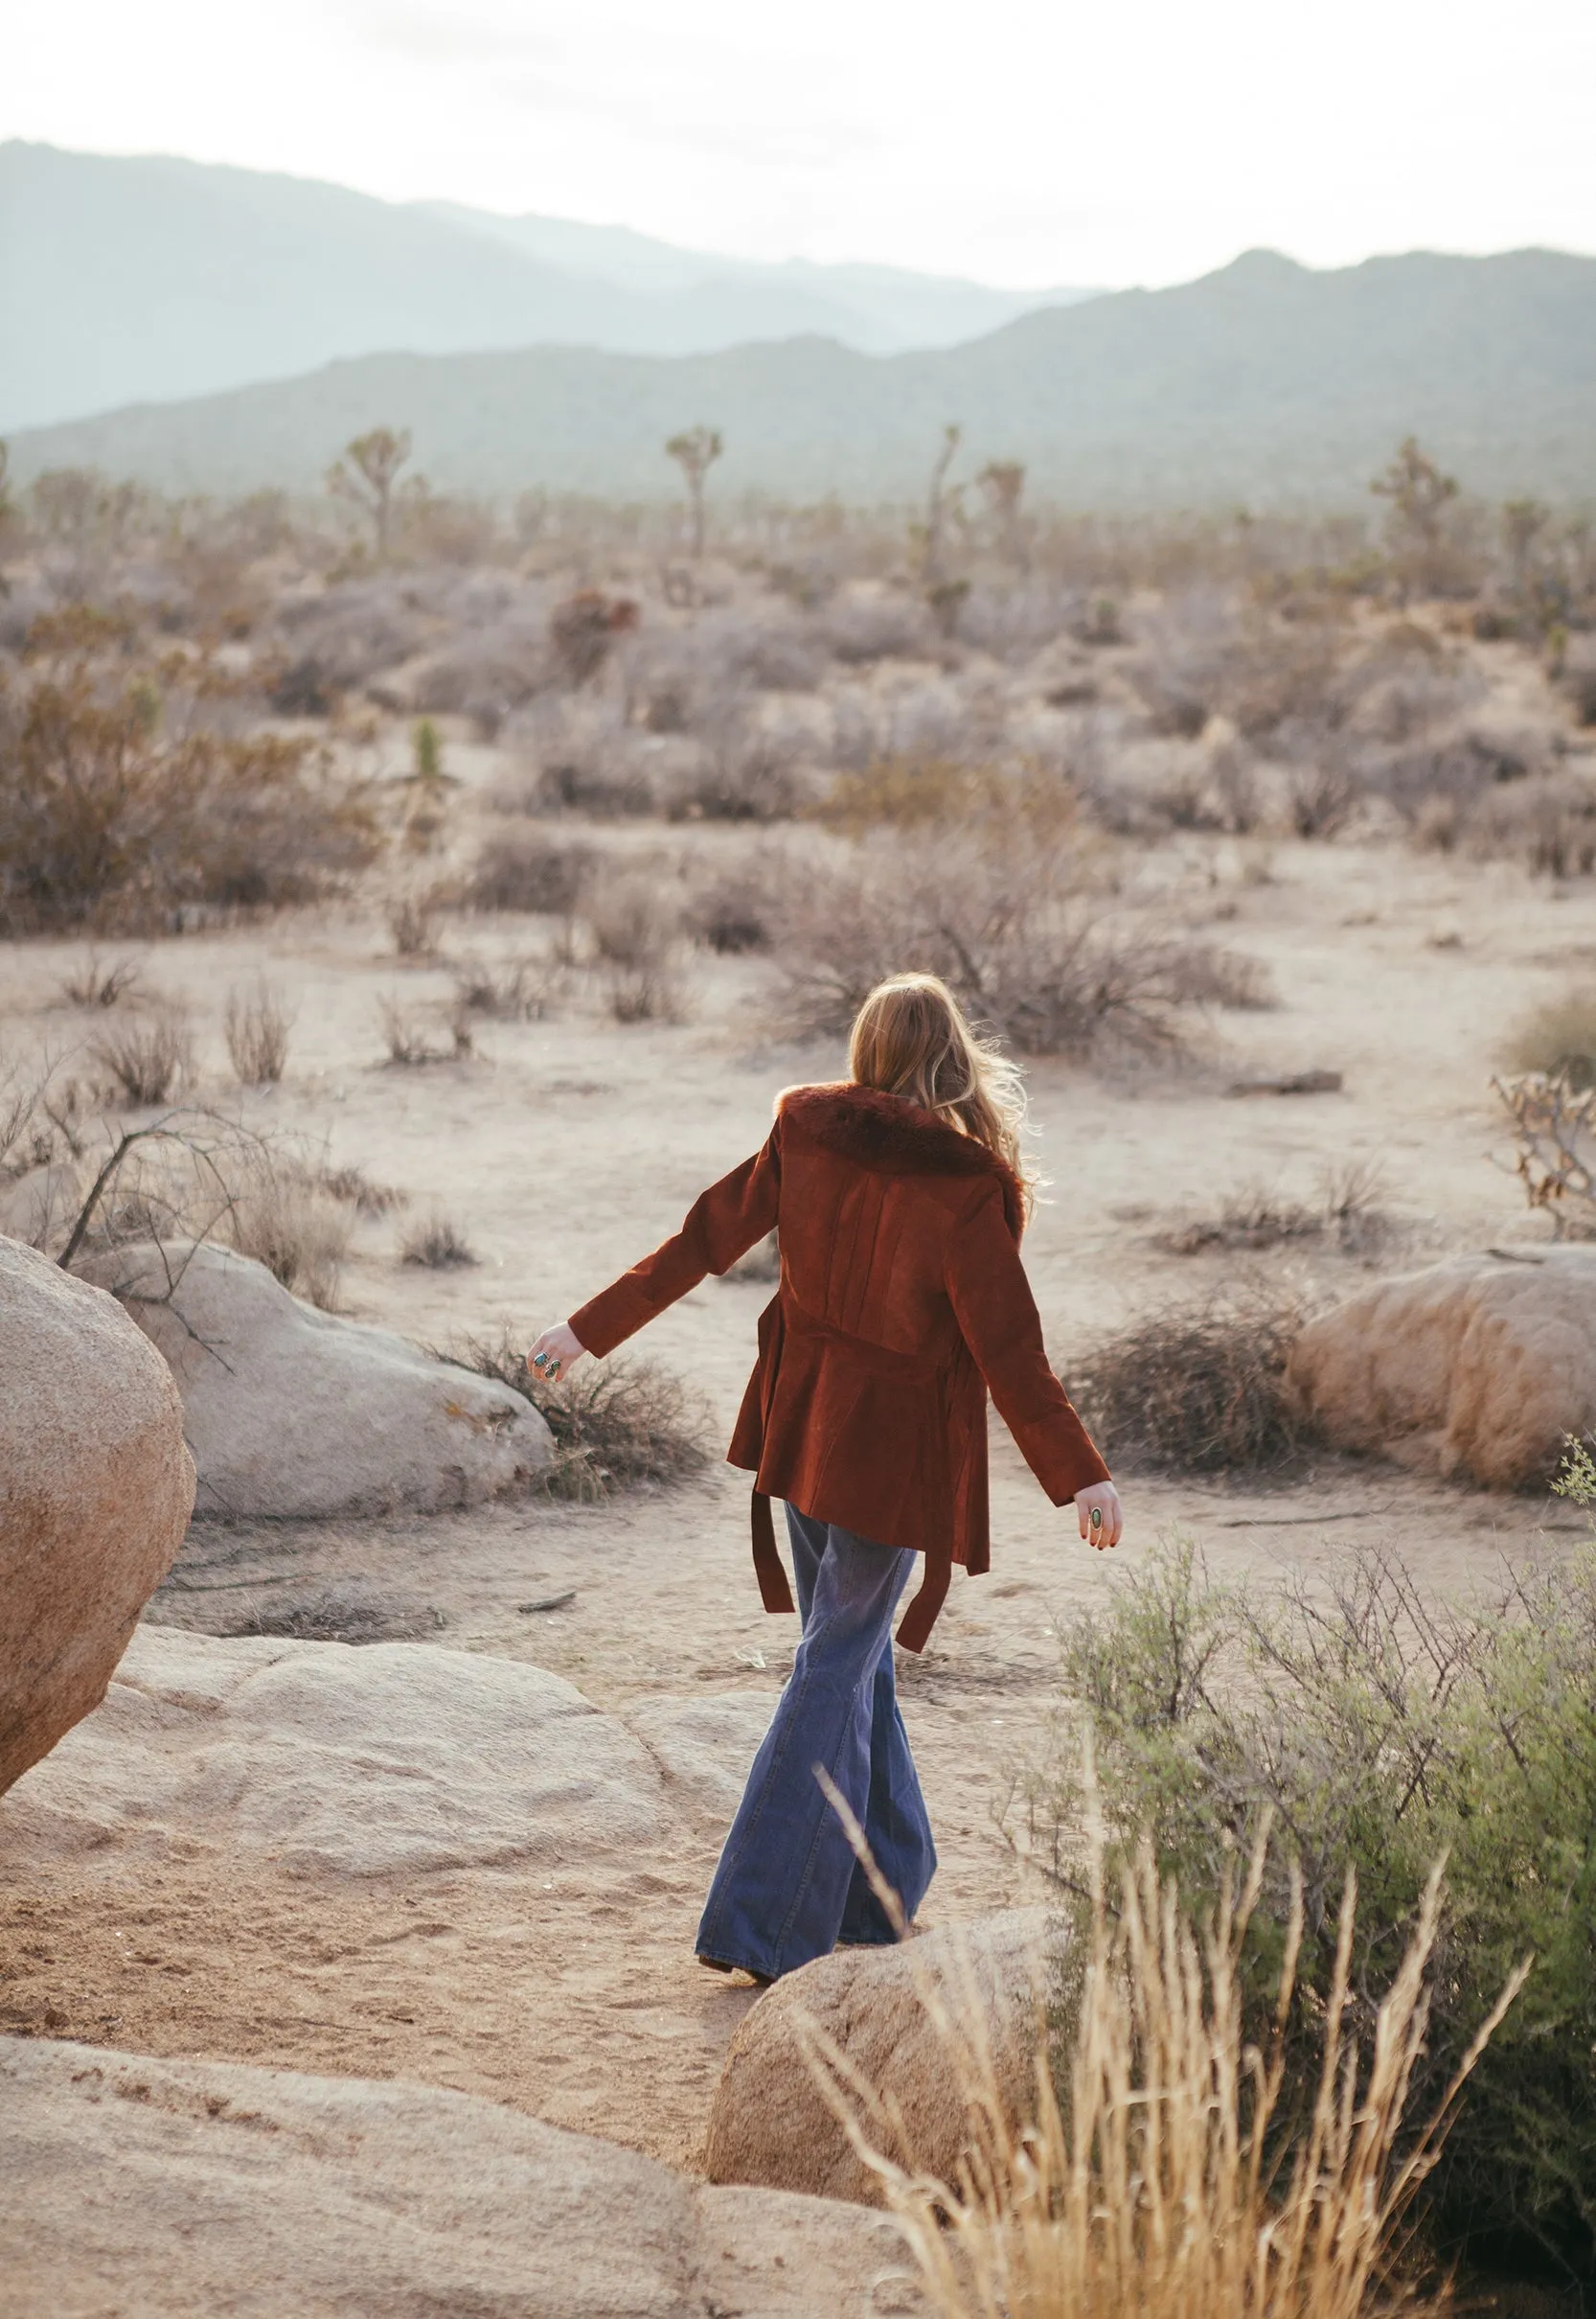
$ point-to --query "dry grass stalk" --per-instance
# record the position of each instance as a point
(438, 1244)
(93, 984)
(408, 1034)
(522, 990)
(1560, 1038)
(1163, 2184)
(636, 933)
(413, 924)
(256, 1024)
(296, 1228)
(1257, 1218)
(1553, 1131)
(149, 1057)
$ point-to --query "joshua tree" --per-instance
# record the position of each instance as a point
(1418, 491)
(366, 475)
(695, 453)
(1003, 481)
(936, 502)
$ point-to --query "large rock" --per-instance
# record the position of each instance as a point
(176, 2190)
(95, 1491)
(705, 1747)
(771, 2123)
(358, 1761)
(1479, 1366)
(295, 1413)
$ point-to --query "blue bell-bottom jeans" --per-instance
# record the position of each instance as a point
(788, 1887)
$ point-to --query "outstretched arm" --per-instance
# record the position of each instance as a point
(997, 1313)
(720, 1226)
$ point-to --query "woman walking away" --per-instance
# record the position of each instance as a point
(898, 1199)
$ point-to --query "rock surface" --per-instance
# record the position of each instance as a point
(359, 1763)
(770, 2123)
(1477, 1366)
(157, 2189)
(705, 1747)
(95, 1491)
(294, 1413)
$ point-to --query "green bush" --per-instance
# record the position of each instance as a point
(1379, 1734)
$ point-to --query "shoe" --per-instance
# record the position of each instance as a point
(718, 1964)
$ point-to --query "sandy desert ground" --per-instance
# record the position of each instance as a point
(563, 1149)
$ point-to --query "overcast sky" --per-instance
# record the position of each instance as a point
(1021, 140)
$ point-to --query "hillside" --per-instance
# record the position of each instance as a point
(153, 280)
(1264, 381)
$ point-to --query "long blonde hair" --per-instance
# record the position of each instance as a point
(911, 1038)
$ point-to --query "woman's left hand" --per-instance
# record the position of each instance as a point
(557, 1352)
(1100, 1501)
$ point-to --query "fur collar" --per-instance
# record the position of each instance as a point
(892, 1136)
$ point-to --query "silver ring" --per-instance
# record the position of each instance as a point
(1097, 1517)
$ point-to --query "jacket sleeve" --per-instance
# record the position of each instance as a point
(721, 1226)
(997, 1315)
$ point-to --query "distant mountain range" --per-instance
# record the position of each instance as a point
(151, 280)
(1264, 384)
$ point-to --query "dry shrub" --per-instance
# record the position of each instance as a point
(734, 910)
(147, 1057)
(529, 872)
(922, 792)
(93, 984)
(256, 1024)
(636, 935)
(583, 628)
(119, 804)
(438, 1244)
(354, 1185)
(1167, 2175)
(1198, 1389)
(291, 1222)
(413, 925)
(859, 629)
(1547, 821)
(1002, 923)
(617, 1425)
(417, 1035)
(519, 990)
(1554, 1136)
(1257, 1218)
(1323, 791)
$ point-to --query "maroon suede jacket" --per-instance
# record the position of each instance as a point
(903, 1300)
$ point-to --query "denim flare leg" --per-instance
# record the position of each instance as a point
(788, 1887)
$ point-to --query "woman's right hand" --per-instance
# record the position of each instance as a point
(557, 1352)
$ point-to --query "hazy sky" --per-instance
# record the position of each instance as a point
(1080, 141)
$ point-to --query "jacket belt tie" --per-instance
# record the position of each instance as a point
(775, 1593)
